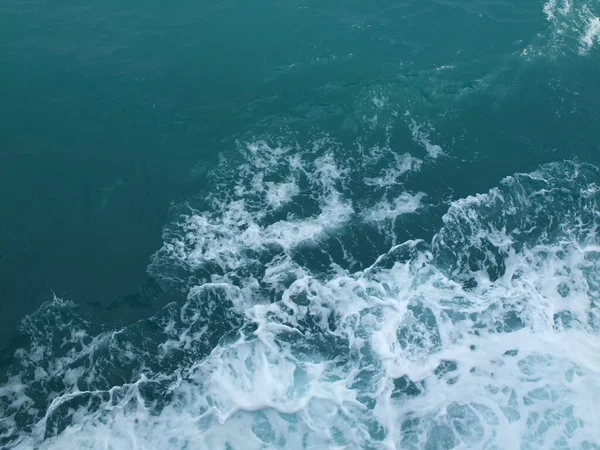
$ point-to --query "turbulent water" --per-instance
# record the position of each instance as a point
(391, 244)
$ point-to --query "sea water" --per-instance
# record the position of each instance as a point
(385, 237)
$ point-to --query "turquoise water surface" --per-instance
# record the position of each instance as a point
(300, 225)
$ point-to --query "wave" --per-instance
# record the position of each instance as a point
(574, 26)
(484, 338)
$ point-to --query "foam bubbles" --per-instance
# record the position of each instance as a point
(485, 338)
(283, 204)
(573, 26)
(591, 34)
(555, 7)
(393, 173)
(391, 209)
(421, 135)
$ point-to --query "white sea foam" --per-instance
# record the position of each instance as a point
(486, 338)
(421, 134)
(422, 364)
(553, 8)
(591, 34)
(281, 200)
(392, 174)
(574, 26)
(390, 209)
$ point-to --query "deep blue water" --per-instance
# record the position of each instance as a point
(338, 225)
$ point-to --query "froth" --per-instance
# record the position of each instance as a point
(554, 7)
(282, 200)
(421, 135)
(573, 26)
(485, 338)
(591, 34)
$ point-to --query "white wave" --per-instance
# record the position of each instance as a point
(485, 339)
(574, 26)
(390, 175)
(385, 209)
(553, 8)
(405, 330)
(236, 221)
(591, 34)
(282, 199)
(421, 135)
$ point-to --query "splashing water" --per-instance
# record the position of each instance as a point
(574, 26)
(330, 297)
(485, 338)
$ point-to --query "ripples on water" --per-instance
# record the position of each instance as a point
(336, 290)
